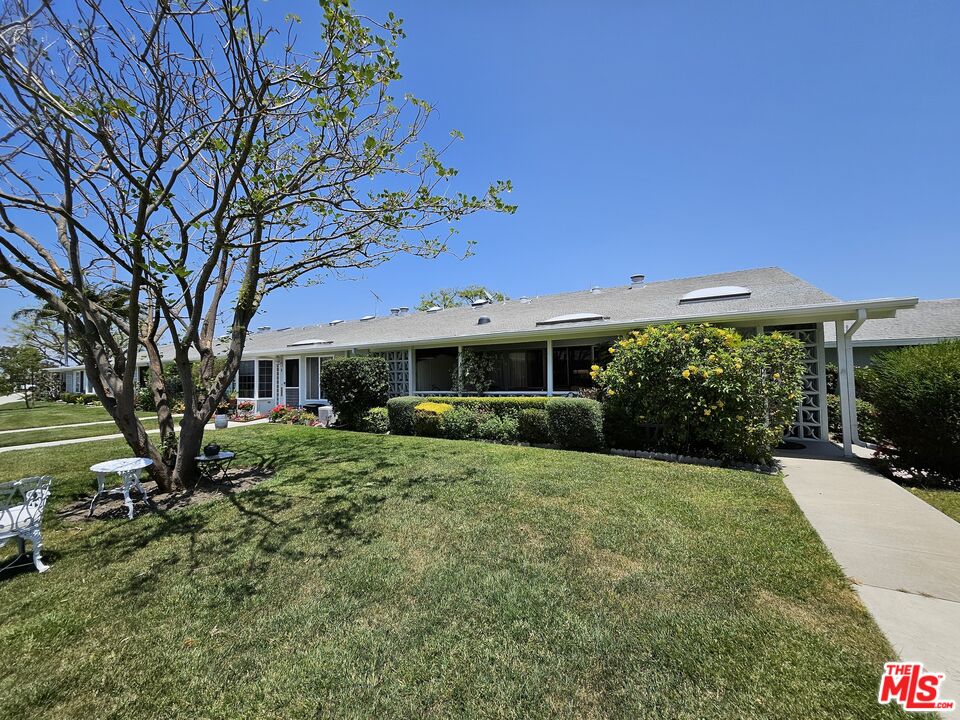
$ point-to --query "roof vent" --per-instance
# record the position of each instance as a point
(394, 311)
(263, 328)
(434, 308)
(480, 301)
(335, 322)
(368, 317)
(637, 279)
(483, 320)
(403, 309)
(595, 290)
(524, 299)
(721, 292)
(573, 318)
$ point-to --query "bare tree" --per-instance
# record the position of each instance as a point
(200, 158)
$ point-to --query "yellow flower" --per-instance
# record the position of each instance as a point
(610, 391)
(686, 374)
(594, 367)
(612, 350)
(739, 417)
(776, 376)
(706, 412)
(693, 368)
(718, 371)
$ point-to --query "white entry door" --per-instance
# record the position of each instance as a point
(291, 380)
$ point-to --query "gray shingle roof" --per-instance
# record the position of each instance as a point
(771, 289)
(929, 319)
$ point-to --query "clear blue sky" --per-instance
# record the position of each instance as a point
(681, 138)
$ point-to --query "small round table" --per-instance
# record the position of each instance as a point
(129, 471)
(211, 465)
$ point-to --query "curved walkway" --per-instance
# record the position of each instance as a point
(900, 553)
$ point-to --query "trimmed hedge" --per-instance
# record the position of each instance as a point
(376, 421)
(533, 426)
(866, 418)
(354, 385)
(400, 413)
(502, 406)
(575, 423)
(917, 397)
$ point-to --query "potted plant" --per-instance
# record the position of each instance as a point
(222, 417)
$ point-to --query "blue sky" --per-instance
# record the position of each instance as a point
(681, 138)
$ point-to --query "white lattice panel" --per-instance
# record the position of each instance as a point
(398, 371)
(809, 424)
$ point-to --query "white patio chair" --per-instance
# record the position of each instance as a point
(21, 512)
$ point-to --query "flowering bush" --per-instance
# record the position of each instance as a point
(291, 416)
(245, 406)
(701, 390)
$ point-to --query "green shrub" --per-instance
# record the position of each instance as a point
(67, 397)
(866, 418)
(400, 411)
(533, 426)
(354, 385)
(498, 429)
(428, 418)
(461, 423)
(288, 415)
(703, 390)
(864, 379)
(917, 397)
(144, 399)
(575, 423)
(377, 420)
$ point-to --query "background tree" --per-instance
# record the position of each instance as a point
(201, 159)
(457, 297)
(22, 371)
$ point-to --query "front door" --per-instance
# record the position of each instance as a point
(291, 380)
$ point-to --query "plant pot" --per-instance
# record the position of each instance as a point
(221, 421)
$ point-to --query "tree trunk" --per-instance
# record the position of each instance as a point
(191, 438)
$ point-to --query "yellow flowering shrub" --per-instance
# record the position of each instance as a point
(701, 390)
(428, 418)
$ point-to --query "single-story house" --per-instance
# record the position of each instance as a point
(931, 321)
(546, 344)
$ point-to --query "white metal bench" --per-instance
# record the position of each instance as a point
(21, 512)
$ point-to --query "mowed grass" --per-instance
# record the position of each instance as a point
(386, 577)
(946, 501)
(14, 416)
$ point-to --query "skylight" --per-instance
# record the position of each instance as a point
(572, 318)
(335, 322)
(312, 341)
(368, 317)
(721, 292)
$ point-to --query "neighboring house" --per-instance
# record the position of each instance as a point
(931, 321)
(546, 344)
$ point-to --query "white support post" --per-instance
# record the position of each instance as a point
(852, 376)
(549, 367)
(843, 388)
(411, 371)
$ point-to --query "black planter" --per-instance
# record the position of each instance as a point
(211, 450)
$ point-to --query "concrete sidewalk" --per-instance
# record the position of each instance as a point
(112, 436)
(902, 555)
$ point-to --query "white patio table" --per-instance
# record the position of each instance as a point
(129, 471)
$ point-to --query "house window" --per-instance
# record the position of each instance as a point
(519, 370)
(245, 379)
(571, 367)
(265, 378)
(313, 378)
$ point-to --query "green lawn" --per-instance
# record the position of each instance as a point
(14, 416)
(381, 577)
(946, 501)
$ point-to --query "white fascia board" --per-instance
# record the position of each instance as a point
(822, 312)
(892, 342)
